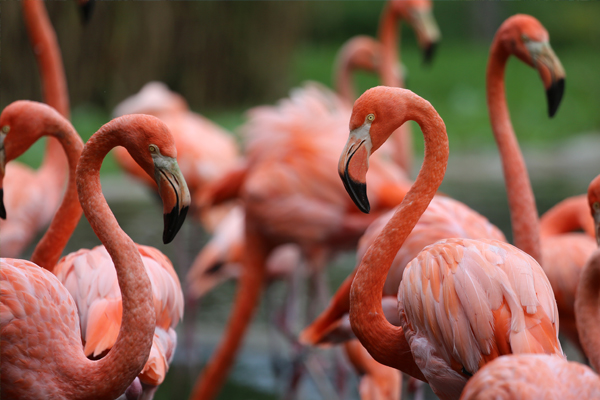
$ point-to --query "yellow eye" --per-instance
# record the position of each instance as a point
(370, 117)
(525, 39)
(152, 148)
(5, 129)
(596, 206)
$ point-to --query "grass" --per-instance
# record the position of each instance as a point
(454, 84)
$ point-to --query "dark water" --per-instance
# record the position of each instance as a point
(263, 367)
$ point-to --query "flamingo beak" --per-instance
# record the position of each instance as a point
(86, 7)
(551, 71)
(174, 194)
(428, 33)
(353, 166)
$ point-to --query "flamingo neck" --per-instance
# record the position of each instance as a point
(389, 37)
(569, 215)
(523, 211)
(54, 83)
(385, 342)
(587, 309)
(343, 80)
(390, 55)
(110, 376)
(49, 249)
(248, 293)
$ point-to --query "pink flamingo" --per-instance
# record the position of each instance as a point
(561, 253)
(33, 196)
(16, 119)
(383, 56)
(526, 376)
(461, 302)
(200, 163)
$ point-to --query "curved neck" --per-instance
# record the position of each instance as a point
(343, 77)
(110, 376)
(54, 83)
(385, 342)
(248, 293)
(587, 309)
(390, 38)
(570, 215)
(523, 211)
(49, 249)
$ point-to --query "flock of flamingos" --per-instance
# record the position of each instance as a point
(471, 315)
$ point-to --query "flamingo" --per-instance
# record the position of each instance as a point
(528, 376)
(461, 302)
(86, 274)
(49, 362)
(382, 55)
(199, 163)
(33, 196)
(290, 197)
(561, 253)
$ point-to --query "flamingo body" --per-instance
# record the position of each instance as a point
(530, 376)
(90, 277)
(464, 302)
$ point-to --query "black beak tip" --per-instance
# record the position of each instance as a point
(86, 11)
(173, 222)
(2, 209)
(357, 192)
(428, 53)
(554, 96)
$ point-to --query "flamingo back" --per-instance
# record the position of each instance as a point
(90, 277)
(464, 302)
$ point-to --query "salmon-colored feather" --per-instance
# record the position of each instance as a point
(90, 277)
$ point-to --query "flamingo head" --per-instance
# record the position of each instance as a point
(361, 52)
(526, 38)
(376, 114)
(153, 148)
(22, 123)
(418, 13)
(594, 202)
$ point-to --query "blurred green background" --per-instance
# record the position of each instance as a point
(225, 57)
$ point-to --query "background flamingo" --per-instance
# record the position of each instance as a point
(24, 283)
(32, 197)
(561, 254)
(536, 376)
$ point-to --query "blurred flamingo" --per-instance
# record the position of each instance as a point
(561, 253)
(32, 197)
(461, 302)
(291, 197)
(382, 55)
(525, 376)
(205, 150)
(87, 275)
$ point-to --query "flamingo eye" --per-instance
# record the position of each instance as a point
(370, 117)
(6, 129)
(525, 39)
(596, 206)
(153, 149)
